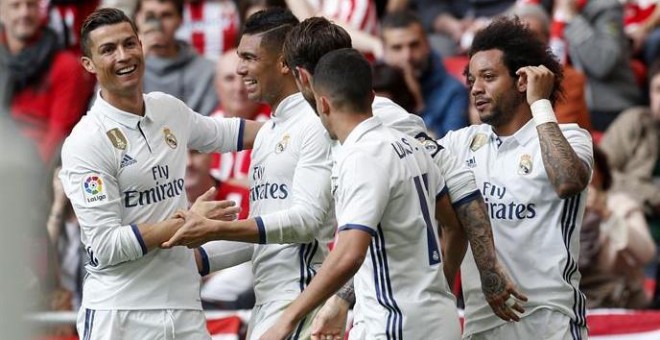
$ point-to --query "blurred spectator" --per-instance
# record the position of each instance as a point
(47, 89)
(445, 100)
(390, 82)
(211, 26)
(230, 288)
(249, 7)
(615, 245)
(572, 108)
(453, 23)
(642, 25)
(632, 146)
(357, 17)
(171, 65)
(597, 46)
(233, 167)
(65, 17)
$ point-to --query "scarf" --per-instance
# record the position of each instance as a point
(28, 66)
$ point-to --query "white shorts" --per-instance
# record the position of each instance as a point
(142, 324)
(265, 315)
(543, 324)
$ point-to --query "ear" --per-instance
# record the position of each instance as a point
(521, 82)
(88, 65)
(284, 68)
(324, 105)
(305, 77)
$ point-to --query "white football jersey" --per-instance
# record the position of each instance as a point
(120, 170)
(387, 186)
(536, 233)
(290, 200)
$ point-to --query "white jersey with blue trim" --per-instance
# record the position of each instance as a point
(387, 186)
(120, 170)
(290, 199)
(536, 233)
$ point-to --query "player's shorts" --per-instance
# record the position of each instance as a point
(542, 324)
(142, 324)
(265, 315)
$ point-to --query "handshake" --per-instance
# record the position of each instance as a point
(203, 222)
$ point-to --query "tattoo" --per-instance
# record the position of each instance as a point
(566, 171)
(475, 221)
(347, 292)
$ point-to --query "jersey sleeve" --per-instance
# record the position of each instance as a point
(90, 184)
(363, 192)
(461, 184)
(218, 255)
(218, 134)
(311, 195)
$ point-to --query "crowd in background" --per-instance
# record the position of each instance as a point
(610, 50)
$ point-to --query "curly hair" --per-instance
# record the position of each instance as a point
(520, 47)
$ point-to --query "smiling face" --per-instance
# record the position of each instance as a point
(116, 59)
(231, 89)
(493, 91)
(260, 70)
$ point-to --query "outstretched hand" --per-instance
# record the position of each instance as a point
(502, 295)
(330, 321)
(196, 230)
(216, 210)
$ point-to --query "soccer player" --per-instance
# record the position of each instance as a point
(304, 46)
(533, 175)
(386, 186)
(290, 198)
(123, 170)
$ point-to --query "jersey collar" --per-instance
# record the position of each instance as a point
(127, 119)
(361, 129)
(284, 109)
(523, 135)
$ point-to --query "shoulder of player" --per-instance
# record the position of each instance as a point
(465, 135)
(163, 99)
(572, 129)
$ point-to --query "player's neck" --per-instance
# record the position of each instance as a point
(345, 122)
(519, 119)
(288, 89)
(133, 103)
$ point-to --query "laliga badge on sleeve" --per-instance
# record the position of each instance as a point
(93, 187)
(170, 138)
(478, 141)
(117, 138)
(525, 165)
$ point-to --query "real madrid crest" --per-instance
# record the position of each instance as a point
(170, 138)
(281, 145)
(525, 165)
(117, 138)
(478, 141)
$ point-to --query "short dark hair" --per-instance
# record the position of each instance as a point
(244, 6)
(390, 79)
(345, 76)
(274, 24)
(311, 40)
(399, 19)
(101, 17)
(178, 5)
(520, 47)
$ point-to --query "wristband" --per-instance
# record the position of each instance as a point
(542, 112)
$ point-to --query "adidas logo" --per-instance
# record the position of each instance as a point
(126, 161)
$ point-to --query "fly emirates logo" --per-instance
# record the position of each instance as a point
(266, 190)
(501, 209)
(163, 188)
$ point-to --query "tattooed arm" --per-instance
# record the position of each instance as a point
(454, 243)
(568, 174)
(495, 283)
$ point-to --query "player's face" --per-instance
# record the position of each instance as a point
(231, 90)
(20, 18)
(493, 90)
(654, 89)
(116, 59)
(407, 47)
(259, 69)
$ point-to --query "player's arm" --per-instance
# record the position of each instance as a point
(342, 263)
(330, 320)
(299, 223)
(218, 255)
(568, 173)
(454, 242)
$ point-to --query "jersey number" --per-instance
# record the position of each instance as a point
(434, 249)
